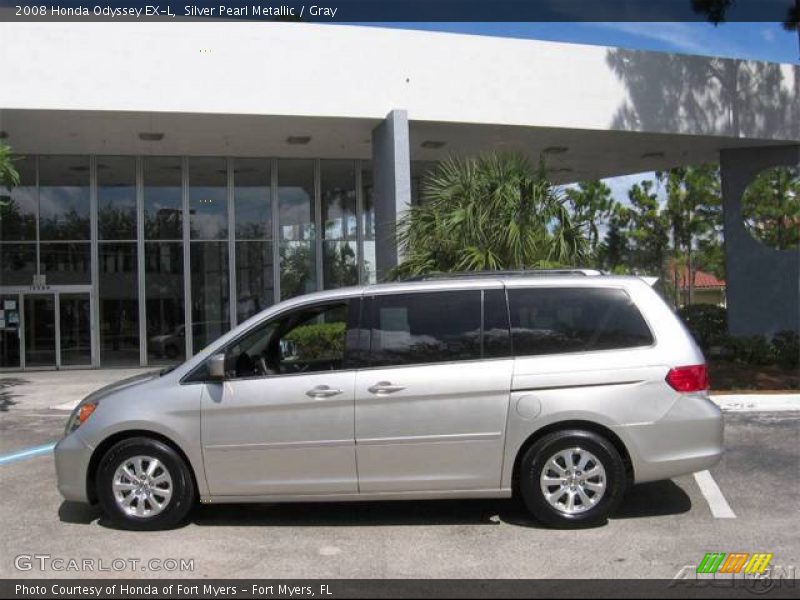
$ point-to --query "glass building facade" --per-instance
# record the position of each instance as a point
(144, 260)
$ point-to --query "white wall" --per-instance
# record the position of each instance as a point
(340, 71)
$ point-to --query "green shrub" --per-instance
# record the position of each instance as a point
(750, 349)
(708, 323)
(318, 341)
(786, 348)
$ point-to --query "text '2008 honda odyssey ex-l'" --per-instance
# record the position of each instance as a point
(563, 387)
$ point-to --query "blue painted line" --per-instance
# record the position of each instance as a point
(27, 453)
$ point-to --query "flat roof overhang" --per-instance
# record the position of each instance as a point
(570, 154)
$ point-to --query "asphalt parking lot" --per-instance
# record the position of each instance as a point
(660, 528)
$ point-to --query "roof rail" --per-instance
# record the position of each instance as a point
(517, 273)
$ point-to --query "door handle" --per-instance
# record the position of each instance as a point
(322, 391)
(385, 387)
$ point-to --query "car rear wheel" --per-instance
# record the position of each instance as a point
(143, 483)
(572, 479)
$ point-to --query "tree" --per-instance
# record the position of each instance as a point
(9, 177)
(647, 230)
(592, 204)
(771, 207)
(694, 214)
(613, 252)
(491, 212)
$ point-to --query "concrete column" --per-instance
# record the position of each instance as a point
(391, 174)
(763, 284)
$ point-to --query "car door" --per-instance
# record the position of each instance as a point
(282, 421)
(431, 403)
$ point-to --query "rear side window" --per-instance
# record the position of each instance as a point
(424, 327)
(558, 320)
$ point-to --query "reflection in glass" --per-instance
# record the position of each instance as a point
(18, 208)
(75, 328)
(64, 198)
(116, 197)
(254, 279)
(163, 203)
(296, 199)
(9, 333)
(340, 224)
(66, 263)
(209, 267)
(208, 203)
(119, 304)
(166, 335)
(298, 269)
(368, 223)
(40, 330)
(17, 264)
(339, 264)
(252, 199)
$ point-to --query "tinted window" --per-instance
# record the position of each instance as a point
(309, 340)
(496, 336)
(552, 321)
(425, 328)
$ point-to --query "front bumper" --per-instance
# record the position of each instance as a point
(687, 439)
(72, 456)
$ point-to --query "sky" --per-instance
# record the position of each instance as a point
(754, 41)
(759, 41)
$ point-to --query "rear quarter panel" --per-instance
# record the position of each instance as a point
(617, 389)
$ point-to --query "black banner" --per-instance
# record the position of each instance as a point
(408, 10)
(263, 589)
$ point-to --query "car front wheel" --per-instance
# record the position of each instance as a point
(143, 483)
(572, 479)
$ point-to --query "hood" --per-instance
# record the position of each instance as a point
(121, 384)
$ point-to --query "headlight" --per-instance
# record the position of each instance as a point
(80, 415)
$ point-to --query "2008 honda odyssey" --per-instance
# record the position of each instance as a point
(565, 388)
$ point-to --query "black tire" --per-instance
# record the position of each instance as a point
(539, 454)
(175, 509)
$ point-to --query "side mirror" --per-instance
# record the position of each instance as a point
(216, 367)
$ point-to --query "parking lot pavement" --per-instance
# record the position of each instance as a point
(660, 528)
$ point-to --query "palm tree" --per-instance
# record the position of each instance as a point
(491, 212)
(9, 177)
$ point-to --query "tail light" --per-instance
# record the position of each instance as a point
(693, 378)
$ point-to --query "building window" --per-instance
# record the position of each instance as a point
(17, 263)
(368, 224)
(119, 303)
(66, 263)
(208, 221)
(210, 310)
(252, 197)
(116, 197)
(297, 231)
(339, 245)
(163, 276)
(64, 198)
(19, 206)
(208, 198)
(163, 201)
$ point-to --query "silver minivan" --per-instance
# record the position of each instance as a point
(563, 388)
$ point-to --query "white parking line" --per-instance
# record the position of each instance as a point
(713, 495)
(757, 402)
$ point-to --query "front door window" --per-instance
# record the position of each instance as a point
(40, 330)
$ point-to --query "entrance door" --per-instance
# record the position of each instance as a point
(74, 311)
(47, 329)
(40, 329)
